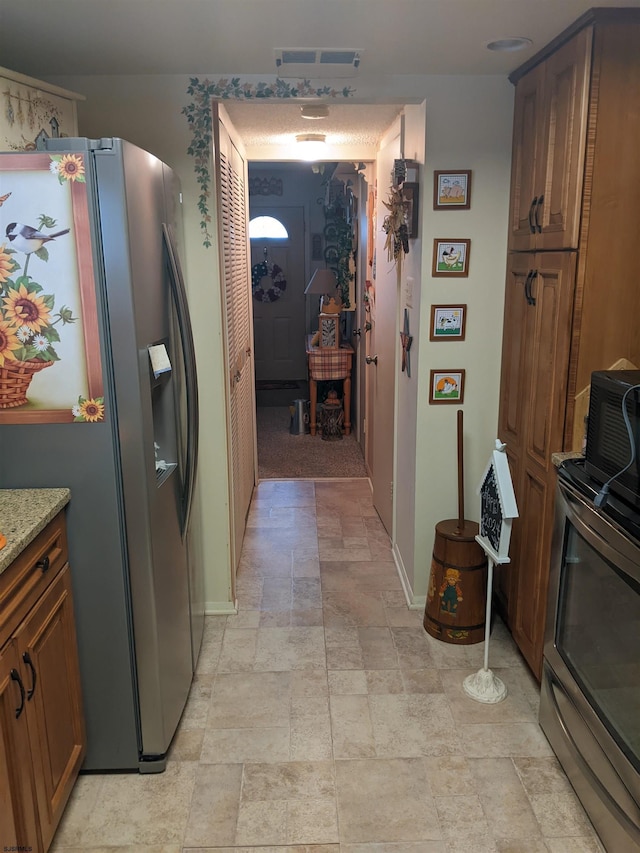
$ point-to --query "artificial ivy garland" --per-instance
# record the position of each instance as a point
(276, 276)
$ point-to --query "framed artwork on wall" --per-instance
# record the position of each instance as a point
(446, 386)
(448, 322)
(452, 189)
(451, 257)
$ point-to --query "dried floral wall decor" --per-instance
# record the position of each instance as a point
(395, 226)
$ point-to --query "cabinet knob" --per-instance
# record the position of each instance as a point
(43, 564)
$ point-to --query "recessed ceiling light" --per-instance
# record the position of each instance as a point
(314, 111)
(510, 44)
(311, 137)
(311, 146)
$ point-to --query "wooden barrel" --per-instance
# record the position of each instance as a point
(457, 591)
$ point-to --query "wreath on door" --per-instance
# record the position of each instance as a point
(276, 283)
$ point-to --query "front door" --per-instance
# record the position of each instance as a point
(279, 314)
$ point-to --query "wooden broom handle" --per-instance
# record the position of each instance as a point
(460, 526)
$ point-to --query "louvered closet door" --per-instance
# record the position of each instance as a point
(234, 250)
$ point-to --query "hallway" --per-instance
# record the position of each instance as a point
(323, 719)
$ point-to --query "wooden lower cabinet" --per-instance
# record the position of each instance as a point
(18, 821)
(42, 736)
(535, 362)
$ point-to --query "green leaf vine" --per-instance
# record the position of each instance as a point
(198, 115)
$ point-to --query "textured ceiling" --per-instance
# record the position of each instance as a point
(356, 124)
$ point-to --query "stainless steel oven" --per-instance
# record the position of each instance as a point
(590, 699)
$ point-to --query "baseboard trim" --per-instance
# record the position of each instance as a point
(414, 602)
(220, 608)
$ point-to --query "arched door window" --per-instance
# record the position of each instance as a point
(266, 227)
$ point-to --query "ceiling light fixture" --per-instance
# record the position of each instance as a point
(311, 146)
(509, 45)
(314, 111)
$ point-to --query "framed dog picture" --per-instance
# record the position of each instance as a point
(452, 190)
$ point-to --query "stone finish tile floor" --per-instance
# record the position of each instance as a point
(323, 719)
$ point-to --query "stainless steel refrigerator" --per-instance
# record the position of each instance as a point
(108, 216)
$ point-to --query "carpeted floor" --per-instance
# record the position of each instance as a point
(282, 455)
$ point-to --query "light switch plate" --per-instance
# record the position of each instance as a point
(408, 292)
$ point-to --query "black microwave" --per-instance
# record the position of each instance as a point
(613, 439)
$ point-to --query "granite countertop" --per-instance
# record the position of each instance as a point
(23, 514)
(558, 458)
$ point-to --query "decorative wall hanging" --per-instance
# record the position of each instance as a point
(451, 257)
(410, 192)
(198, 115)
(448, 322)
(265, 186)
(50, 363)
(452, 190)
(316, 247)
(446, 386)
(406, 340)
(395, 226)
(267, 282)
(338, 252)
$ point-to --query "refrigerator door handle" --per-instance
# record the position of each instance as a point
(189, 356)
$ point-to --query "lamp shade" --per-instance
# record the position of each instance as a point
(322, 282)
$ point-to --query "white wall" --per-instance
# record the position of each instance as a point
(468, 127)
(409, 388)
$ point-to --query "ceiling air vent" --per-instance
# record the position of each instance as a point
(317, 63)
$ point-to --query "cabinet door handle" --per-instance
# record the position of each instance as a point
(43, 564)
(536, 218)
(26, 657)
(371, 359)
(15, 676)
(526, 286)
(532, 227)
(533, 275)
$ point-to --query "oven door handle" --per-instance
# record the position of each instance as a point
(579, 513)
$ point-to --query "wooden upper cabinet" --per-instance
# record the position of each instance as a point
(527, 139)
(550, 122)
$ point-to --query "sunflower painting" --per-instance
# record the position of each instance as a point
(50, 367)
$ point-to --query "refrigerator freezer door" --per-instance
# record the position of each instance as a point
(188, 424)
(132, 208)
